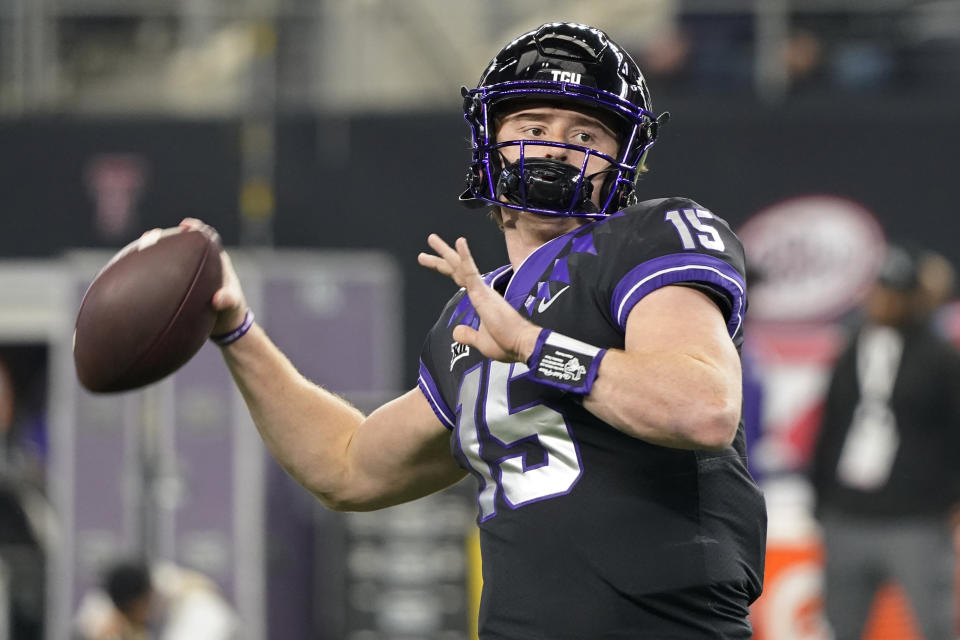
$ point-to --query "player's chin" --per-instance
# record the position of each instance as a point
(558, 220)
(509, 216)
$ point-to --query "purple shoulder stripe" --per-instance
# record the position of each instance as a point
(673, 268)
(430, 391)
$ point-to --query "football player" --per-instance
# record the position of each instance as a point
(592, 386)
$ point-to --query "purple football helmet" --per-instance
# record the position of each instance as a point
(578, 67)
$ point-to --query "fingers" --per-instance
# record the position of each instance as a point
(225, 298)
(457, 263)
(447, 261)
(466, 258)
(465, 335)
(436, 263)
(228, 301)
(442, 248)
(195, 224)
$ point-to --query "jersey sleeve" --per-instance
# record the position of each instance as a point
(433, 378)
(672, 241)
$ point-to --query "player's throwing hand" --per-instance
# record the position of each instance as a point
(228, 301)
(503, 334)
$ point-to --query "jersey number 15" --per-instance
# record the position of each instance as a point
(508, 427)
(706, 235)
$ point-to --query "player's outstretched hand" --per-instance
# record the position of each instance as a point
(229, 301)
(504, 334)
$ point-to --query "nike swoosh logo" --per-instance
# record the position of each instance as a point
(545, 304)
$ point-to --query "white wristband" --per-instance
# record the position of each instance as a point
(562, 362)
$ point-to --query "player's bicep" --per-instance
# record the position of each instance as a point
(686, 322)
(399, 453)
(677, 382)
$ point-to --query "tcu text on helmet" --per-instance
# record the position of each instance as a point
(565, 76)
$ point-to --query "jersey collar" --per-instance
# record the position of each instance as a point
(528, 273)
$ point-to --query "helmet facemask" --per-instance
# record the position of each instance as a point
(543, 185)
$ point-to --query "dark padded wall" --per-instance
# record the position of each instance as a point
(387, 181)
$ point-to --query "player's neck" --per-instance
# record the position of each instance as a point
(525, 233)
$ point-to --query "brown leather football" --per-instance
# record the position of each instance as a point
(148, 311)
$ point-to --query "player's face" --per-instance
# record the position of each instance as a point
(555, 124)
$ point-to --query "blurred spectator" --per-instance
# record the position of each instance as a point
(121, 609)
(25, 514)
(884, 470)
(851, 50)
(937, 278)
(803, 56)
(23, 400)
(22, 563)
(722, 50)
(664, 57)
(131, 592)
(7, 405)
(136, 601)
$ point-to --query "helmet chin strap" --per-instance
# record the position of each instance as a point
(543, 183)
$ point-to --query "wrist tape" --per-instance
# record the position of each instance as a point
(562, 362)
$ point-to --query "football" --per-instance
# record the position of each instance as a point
(148, 311)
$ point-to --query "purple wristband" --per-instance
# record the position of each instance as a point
(224, 339)
(562, 362)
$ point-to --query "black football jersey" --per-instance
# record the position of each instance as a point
(587, 532)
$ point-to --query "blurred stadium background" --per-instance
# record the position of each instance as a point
(323, 138)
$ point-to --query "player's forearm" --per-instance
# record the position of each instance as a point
(673, 400)
(306, 428)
